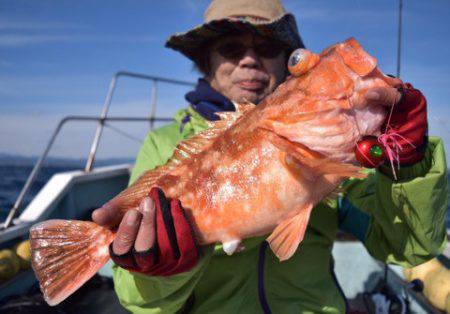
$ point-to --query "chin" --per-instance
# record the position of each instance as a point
(253, 97)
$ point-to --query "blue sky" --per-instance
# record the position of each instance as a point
(57, 58)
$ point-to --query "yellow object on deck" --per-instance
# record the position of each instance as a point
(436, 281)
(422, 270)
(9, 265)
(447, 307)
(24, 253)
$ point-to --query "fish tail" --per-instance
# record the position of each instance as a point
(67, 253)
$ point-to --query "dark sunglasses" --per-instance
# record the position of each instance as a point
(236, 50)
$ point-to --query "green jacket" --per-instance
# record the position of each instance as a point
(399, 222)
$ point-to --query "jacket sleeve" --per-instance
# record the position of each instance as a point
(139, 293)
(403, 221)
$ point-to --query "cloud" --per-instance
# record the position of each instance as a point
(191, 5)
(20, 40)
(195, 6)
(28, 136)
(20, 33)
(14, 40)
(17, 25)
(63, 91)
(5, 64)
(48, 85)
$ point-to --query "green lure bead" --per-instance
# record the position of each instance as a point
(376, 151)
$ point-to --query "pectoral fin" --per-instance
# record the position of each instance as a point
(311, 169)
(286, 237)
(310, 162)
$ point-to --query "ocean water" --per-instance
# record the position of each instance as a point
(12, 179)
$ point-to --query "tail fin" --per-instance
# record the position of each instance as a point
(67, 253)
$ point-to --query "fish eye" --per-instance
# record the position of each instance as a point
(295, 57)
(301, 61)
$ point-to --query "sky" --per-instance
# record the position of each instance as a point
(57, 59)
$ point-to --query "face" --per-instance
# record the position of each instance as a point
(246, 67)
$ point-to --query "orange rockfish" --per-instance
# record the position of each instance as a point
(256, 171)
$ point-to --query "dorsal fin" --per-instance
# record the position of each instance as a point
(203, 140)
(228, 118)
(185, 150)
(244, 107)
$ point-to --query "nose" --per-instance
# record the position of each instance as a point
(250, 60)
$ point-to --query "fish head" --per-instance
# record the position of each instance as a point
(322, 103)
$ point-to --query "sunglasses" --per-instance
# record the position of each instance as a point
(236, 50)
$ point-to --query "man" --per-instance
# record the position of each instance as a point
(242, 51)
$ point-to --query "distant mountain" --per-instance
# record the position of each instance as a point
(18, 160)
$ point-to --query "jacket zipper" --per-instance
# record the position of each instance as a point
(261, 288)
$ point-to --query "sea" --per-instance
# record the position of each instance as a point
(14, 175)
(14, 171)
(13, 178)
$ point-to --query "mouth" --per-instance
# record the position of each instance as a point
(252, 84)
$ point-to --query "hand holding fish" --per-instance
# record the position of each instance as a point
(406, 128)
(385, 96)
(156, 240)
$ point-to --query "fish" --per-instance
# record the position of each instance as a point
(259, 170)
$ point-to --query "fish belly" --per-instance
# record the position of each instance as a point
(242, 197)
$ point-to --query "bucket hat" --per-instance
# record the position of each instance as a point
(266, 18)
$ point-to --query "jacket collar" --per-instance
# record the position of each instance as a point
(207, 101)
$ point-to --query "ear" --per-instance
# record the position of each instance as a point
(356, 58)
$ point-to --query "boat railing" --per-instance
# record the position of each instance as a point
(101, 120)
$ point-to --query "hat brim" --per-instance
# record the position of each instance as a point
(283, 29)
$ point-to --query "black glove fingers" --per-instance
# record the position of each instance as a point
(184, 231)
(125, 261)
(169, 224)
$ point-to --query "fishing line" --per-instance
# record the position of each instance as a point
(123, 133)
(389, 117)
(384, 139)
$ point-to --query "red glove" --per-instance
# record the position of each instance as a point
(409, 119)
(175, 250)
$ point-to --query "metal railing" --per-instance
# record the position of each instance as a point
(108, 99)
(98, 133)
